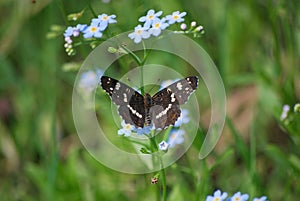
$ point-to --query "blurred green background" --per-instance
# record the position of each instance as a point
(255, 45)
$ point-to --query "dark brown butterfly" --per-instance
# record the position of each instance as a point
(161, 110)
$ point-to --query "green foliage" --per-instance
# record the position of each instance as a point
(254, 44)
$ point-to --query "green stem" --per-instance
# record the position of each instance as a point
(154, 148)
(142, 80)
(153, 144)
(140, 63)
(142, 68)
(134, 56)
(137, 142)
(91, 8)
(164, 180)
(62, 9)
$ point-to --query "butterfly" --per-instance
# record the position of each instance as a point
(160, 110)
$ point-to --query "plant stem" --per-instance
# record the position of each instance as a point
(91, 8)
(142, 80)
(153, 144)
(164, 180)
(62, 9)
(134, 56)
(154, 148)
(140, 63)
(142, 69)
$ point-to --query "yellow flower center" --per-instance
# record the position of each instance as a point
(139, 31)
(237, 199)
(173, 136)
(157, 25)
(127, 126)
(105, 17)
(150, 17)
(176, 17)
(93, 29)
(217, 199)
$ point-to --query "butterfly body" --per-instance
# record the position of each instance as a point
(161, 110)
(147, 104)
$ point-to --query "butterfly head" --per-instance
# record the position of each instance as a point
(148, 100)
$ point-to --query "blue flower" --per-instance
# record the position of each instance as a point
(69, 31)
(126, 129)
(74, 31)
(163, 146)
(218, 196)
(89, 80)
(141, 131)
(139, 34)
(157, 26)
(239, 197)
(175, 137)
(92, 31)
(263, 198)
(183, 119)
(150, 17)
(175, 17)
(285, 111)
(103, 20)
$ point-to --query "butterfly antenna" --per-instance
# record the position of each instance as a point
(136, 87)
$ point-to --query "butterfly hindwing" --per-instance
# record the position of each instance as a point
(130, 103)
(137, 109)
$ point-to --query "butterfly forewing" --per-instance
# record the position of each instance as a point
(167, 101)
(130, 103)
(184, 88)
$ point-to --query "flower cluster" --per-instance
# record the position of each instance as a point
(128, 129)
(93, 30)
(98, 25)
(219, 196)
(72, 32)
(153, 24)
(194, 29)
